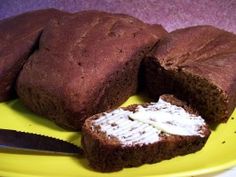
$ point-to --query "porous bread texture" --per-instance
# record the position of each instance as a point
(197, 64)
(106, 153)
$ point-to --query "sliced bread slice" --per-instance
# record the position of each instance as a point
(139, 134)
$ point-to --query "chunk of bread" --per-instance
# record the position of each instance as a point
(197, 64)
(84, 63)
(19, 36)
(139, 134)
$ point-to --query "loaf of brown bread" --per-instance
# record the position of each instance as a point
(86, 63)
(139, 134)
(197, 64)
(19, 36)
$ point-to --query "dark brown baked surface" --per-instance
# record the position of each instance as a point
(86, 63)
(19, 36)
(197, 64)
(107, 154)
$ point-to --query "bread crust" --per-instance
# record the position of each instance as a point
(86, 63)
(19, 36)
(197, 64)
(106, 154)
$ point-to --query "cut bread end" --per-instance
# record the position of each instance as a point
(212, 103)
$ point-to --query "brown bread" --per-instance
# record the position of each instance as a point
(106, 152)
(86, 63)
(19, 36)
(197, 64)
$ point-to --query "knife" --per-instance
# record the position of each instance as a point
(22, 141)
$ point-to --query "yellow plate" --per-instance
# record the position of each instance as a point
(219, 153)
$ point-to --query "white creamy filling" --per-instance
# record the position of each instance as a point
(145, 124)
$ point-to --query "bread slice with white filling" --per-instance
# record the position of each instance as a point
(139, 134)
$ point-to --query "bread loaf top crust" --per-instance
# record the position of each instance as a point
(19, 37)
(83, 64)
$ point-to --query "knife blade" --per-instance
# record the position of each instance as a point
(17, 140)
